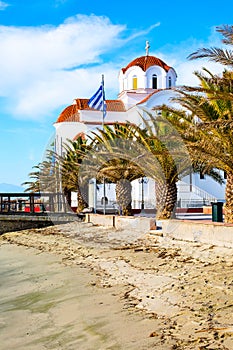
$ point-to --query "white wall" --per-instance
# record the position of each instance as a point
(210, 186)
(144, 79)
(160, 98)
(161, 77)
(133, 97)
(67, 130)
(128, 78)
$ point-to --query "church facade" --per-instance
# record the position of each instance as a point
(144, 83)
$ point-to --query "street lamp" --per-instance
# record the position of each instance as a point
(143, 181)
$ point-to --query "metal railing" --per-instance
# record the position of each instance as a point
(192, 189)
(29, 203)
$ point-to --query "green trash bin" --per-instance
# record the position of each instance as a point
(217, 215)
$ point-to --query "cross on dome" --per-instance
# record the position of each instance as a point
(147, 48)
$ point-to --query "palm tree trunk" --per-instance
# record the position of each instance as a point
(166, 197)
(67, 201)
(229, 198)
(82, 195)
(123, 196)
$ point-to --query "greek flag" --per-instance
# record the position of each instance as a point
(97, 101)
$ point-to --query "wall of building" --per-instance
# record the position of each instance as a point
(67, 131)
(144, 79)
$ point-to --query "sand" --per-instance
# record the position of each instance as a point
(138, 290)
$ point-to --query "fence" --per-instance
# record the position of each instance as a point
(33, 203)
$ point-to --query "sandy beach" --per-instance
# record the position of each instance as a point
(113, 289)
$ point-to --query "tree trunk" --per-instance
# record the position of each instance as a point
(123, 196)
(166, 197)
(229, 199)
(82, 195)
(67, 202)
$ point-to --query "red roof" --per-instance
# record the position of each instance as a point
(71, 113)
(145, 62)
(112, 105)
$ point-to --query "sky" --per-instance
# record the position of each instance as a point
(53, 51)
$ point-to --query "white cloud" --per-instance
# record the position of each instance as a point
(185, 71)
(41, 67)
(3, 5)
(139, 33)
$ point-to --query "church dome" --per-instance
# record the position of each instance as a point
(145, 62)
(146, 73)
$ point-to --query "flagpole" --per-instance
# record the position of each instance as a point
(97, 101)
(103, 111)
(103, 101)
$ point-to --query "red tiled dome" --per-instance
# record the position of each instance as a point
(69, 114)
(145, 62)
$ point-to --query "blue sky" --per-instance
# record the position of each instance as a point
(52, 51)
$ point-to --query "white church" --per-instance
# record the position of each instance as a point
(144, 83)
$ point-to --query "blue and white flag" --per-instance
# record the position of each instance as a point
(97, 101)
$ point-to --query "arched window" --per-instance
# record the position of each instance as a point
(154, 81)
(169, 82)
(135, 82)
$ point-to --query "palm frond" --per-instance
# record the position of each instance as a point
(215, 54)
(227, 32)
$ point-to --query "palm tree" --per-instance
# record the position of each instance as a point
(33, 185)
(156, 151)
(125, 152)
(111, 160)
(207, 127)
(211, 138)
(69, 165)
(61, 173)
(170, 160)
(43, 179)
